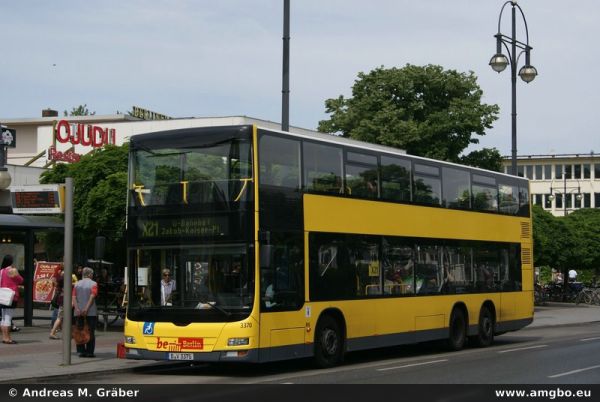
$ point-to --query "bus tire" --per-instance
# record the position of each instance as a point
(329, 343)
(485, 328)
(457, 330)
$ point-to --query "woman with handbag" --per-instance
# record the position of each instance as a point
(9, 278)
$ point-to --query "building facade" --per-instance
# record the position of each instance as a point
(44, 140)
(563, 183)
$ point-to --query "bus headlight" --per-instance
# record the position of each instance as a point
(130, 339)
(238, 341)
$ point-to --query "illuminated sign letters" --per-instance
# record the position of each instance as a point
(78, 134)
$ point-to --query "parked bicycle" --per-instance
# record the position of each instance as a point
(110, 303)
(556, 291)
(588, 295)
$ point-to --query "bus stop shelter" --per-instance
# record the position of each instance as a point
(29, 239)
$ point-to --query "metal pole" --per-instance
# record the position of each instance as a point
(513, 77)
(285, 91)
(68, 272)
(565, 191)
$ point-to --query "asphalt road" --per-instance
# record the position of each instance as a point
(551, 355)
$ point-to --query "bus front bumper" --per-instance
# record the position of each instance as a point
(247, 356)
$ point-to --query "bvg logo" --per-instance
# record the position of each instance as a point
(166, 345)
(180, 344)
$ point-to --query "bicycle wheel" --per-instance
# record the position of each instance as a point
(583, 297)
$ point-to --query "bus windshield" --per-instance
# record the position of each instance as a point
(191, 280)
(190, 225)
(208, 173)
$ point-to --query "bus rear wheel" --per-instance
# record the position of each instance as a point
(457, 330)
(485, 330)
(329, 343)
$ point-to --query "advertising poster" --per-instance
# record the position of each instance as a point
(43, 280)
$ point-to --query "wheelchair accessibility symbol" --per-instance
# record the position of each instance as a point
(148, 328)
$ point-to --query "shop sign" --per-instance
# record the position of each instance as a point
(78, 134)
(67, 156)
(44, 281)
(146, 114)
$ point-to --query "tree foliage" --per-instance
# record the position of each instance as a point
(486, 158)
(100, 191)
(80, 110)
(428, 111)
(567, 242)
(585, 225)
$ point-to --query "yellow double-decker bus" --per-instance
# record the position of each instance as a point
(253, 245)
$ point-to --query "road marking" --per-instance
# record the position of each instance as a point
(589, 339)
(412, 365)
(519, 349)
(573, 372)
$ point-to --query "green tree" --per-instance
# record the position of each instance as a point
(80, 110)
(486, 158)
(98, 210)
(584, 224)
(428, 111)
(568, 242)
(546, 245)
(100, 191)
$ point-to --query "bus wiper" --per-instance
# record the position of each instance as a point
(203, 303)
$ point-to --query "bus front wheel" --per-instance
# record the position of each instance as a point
(457, 330)
(329, 343)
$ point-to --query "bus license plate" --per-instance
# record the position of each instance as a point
(181, 356)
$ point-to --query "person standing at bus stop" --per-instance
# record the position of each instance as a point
(9, 278)
(85, 292)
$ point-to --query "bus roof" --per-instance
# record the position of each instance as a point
(321, 137)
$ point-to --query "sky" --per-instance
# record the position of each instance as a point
(203, 58)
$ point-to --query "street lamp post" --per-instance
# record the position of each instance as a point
(499, 61)
(566, 191)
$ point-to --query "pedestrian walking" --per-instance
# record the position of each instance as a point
(60, 282)
(85, 292)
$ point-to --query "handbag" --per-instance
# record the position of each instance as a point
(7, 295)
(54, 301)
(80, 331)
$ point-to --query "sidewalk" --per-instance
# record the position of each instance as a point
(564, 314)
(36, 356)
